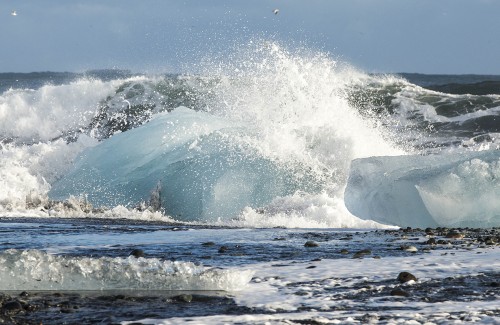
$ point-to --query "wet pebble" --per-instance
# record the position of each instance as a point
(454, 234)
(137, 253)
(409, 248)
(431, 241)
(208, 243)
(399, 292)
(362, 253)
(490, 241)
(405, 277)
(183, 298)
(12, 307)
(311, 243)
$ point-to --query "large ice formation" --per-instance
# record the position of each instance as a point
(427, 191)
(200, 163)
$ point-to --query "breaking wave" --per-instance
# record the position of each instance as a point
(265, 138)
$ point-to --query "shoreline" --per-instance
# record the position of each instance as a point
(302, 275)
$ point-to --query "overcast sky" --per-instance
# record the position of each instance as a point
(425, 36)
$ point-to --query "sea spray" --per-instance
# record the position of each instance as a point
(43, 114)
(277, 123)
(282, 112)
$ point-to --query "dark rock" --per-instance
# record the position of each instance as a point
(429, 231)
(490, 241)
(12, 307)
(454, 234)
(399, 292)
(405, 277)
(31, 307)
(344, 251)
(137, 253)
(431, 241)
(223, 249)
(370, 318)
(24, 294)
(409, 248)
(311, 243)
(183, 298)
(208, 243)
(362, 253)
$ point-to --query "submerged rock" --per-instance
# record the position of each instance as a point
(399, 292)
(137, 253)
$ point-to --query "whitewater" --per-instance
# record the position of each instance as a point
(278, 171)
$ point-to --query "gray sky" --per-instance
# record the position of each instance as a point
(426, 36)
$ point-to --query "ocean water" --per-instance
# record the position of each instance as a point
(221, 174)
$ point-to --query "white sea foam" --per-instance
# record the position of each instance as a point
(331, 284)
(27, 171)
(37, 270)
(51, 111)
(302, 210)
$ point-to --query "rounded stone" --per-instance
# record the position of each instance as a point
(409, 248)
(399, 292)
(183, 298)
(454, 235)
(406, 276)
(12, 307)
(208, 243)
(311, 243)
(137, 253)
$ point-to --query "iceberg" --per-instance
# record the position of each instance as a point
(450, 190)
(197, 166)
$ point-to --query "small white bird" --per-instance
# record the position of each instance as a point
(13, 13)
(276, 11)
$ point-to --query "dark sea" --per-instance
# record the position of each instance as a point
(274, 188)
